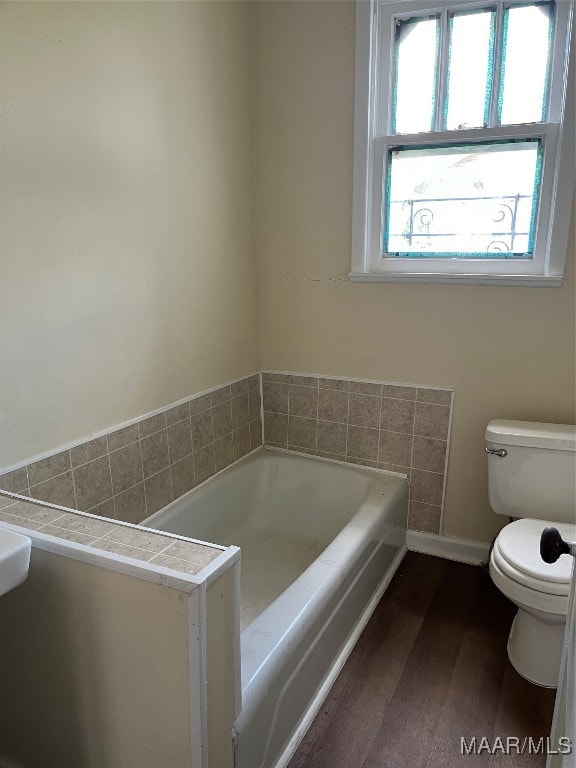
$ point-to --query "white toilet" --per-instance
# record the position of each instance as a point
(532, 476)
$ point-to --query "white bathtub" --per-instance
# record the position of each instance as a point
(319, 543)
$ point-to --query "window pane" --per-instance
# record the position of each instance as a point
(463, 201)
(469, 69)
(416, 48)
(525, 63)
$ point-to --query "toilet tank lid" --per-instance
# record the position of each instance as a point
(556, 437)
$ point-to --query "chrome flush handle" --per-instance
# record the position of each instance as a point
(501, 453)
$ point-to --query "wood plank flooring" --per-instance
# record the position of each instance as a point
(430, 667)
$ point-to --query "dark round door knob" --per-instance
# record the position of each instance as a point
(552, 545)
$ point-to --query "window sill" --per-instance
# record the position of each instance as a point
(520, 281)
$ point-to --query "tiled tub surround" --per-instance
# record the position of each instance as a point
(131, 472)
(139, 544)
(401, 428)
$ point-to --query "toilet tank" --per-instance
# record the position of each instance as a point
(537, 476)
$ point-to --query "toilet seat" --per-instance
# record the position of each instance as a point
(516, 553)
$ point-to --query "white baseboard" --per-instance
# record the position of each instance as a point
(462, 550)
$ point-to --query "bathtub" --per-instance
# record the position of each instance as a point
(319, 542)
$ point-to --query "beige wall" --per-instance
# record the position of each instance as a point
(126, 229)
(95, 670)
(508, 352)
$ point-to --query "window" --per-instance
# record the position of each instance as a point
(464, 141)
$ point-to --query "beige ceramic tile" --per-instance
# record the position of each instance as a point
(69, 535)
(395, 448)
(254, 404)
(155, 455)
(333, 405)
(361, 462)
(201, 429)
(397, 415)
(393, 468)
(366, 388)
(398, 391)
(276, 428)
(48, 468)
(426, 487)
(35, 513)
(114, 547)
(182, 475)
(429, 454)
(222, 419)
(175, 564)
(178, 413)
(130, 506)
(123, 437)
(89, 526)
(158, 491)
(303, 401)
(331, 437)
(192, 552)
(437, 396)
(22, 522)
(304, 381)
(301, 432)
(221, 395)
(106, 509)
(255, 434)
(240, 411)
(152, 425)
(343, 385)
(364, 410)
(241, 441)
(179, 440)
(135, 537)
(89, 451)
(57, 490)
(362, 443)
(92, 482)
(253, 382)
(202, 403)
(6, 501)
(280, 378)
(275, 396)
(431, 420)
(424, 517)
(126, 467)
(327, 455)
(223, 452)
(239, 388)
(204, 464)
(14, 481)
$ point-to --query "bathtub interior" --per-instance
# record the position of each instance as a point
(274, 507)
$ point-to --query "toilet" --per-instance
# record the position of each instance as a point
(532, 477)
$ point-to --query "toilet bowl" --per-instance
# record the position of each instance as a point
(540, 591)
(532, 476)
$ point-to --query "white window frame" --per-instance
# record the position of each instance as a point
(372, 138)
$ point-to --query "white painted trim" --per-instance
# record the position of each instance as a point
(336, 667)
(509, 281)
(196, 684)
(462, 550)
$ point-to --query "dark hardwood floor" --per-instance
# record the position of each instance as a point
(430, 668)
